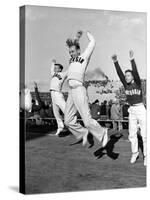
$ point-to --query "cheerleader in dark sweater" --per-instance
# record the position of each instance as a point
(137, 112)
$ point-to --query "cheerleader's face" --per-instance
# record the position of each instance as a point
(129, 77)
(57, 69)
(73, 52)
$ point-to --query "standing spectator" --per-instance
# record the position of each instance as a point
(35, 107)
(95, 109)
(115, 113)
(125, 108)
(42, 105)
(103, 110)
(125, 114)
(35, 112)
(50, 111)
(109, 109)
(38, 107)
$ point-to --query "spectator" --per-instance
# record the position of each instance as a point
(103, 111)
(125, 110)
(125, 114)
(41, 104)
(109, 109)
(35, 107)
(95, 109)
(115, 113)
(50, 111)
(38, 108)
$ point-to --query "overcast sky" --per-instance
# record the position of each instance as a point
(48, 28)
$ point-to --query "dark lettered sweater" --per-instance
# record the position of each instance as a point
(133, 90)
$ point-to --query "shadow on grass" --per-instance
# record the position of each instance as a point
(64, 133)
(90, 141)
(38, 131)
(43, 130)
(108, 150)
(78, 142)
(140, 142)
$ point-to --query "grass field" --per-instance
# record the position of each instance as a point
(58, 164)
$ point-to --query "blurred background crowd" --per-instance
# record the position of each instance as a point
(101, 109)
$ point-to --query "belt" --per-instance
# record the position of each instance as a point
(54, 91)
(76, 86)
(138, 104)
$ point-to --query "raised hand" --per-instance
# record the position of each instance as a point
(35, 84)
(78, 35)
(54, 61)
(131, 54)
(114, 58)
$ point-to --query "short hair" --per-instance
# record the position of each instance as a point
(60, 66)
(73, 42)
(129, 70)
(96, 101)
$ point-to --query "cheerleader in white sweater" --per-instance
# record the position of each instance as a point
(77, 97)
(57, 79)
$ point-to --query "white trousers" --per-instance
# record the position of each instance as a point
(58, 103)
(137, 115)
(78, 101)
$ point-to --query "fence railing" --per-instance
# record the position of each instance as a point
(48, 119)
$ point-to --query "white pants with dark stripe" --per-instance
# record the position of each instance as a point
(58, 102)
(137, 115)
(78, 101)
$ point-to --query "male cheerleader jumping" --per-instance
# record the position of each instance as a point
(58, 101)
(137, 111)
(77, 96)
